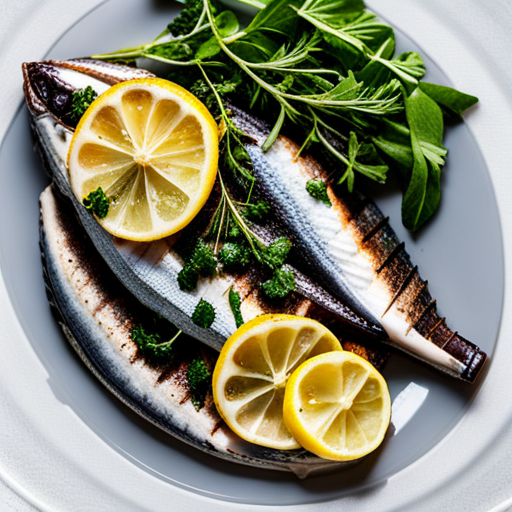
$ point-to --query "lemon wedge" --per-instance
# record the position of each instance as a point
(152, 147)
(252, 370)
(337, 406)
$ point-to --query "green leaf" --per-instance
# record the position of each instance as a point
(408, 68)
(278, 17)
(272, 136)
(335, 13)
(227, 23)
(356, 150)
(423, 193)
(317, 188)
(455, 102)
(172, 50)
(256, 47)
(394, 140)
(354, 41)
(234, 303)
(347, 89)
(204, 314)
(208, 49)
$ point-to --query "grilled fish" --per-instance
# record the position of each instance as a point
(354, 253)
(97, 316)
(149, 270)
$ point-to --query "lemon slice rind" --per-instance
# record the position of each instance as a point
(337, 406)
(153, 147)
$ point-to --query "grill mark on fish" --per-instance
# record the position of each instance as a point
(452, 335)
(217, 426)
(436, 326)
(402, 288)
(373, 231)
(391, 256)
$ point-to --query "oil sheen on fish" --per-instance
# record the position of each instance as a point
(97, 316)
(149, 270)
(354, 254)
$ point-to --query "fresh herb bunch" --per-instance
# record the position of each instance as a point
(326, 68)
(199, 380)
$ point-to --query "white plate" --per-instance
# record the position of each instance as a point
(69, 435)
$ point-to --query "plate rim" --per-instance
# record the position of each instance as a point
(447, 448)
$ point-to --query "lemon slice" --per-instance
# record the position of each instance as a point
(250, 375)
(337, 406)
(152, 147)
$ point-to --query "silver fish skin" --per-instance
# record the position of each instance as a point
(97, 315)
(149, 270)
(354, 253)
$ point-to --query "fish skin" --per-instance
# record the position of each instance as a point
(354, 253)
(149, 270)
(97, 315)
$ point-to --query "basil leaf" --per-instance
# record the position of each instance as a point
(395, 141)
(455, 102)
(227, 23)
(208, 49)
(423, 192)
(278, 17)
(334, 14)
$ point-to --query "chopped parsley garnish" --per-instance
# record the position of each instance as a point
(80, 101)
(200, 262)
(151, 344)
(280, 285)
(235, 255)
(97, 202)
(204, 314)
(276, 253)
(199, 379)
(317, 188)
(234, 303)
(187, 278)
